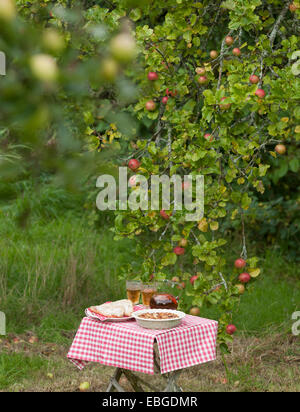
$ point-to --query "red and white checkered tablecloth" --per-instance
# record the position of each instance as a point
(129, 346)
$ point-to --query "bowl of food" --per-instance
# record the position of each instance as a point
(158, 318)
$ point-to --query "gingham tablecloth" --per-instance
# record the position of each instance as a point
(129, 346)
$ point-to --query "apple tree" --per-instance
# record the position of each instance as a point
(218, 92)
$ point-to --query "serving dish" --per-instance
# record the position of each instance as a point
(158, 323)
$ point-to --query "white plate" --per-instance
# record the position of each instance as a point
(93, 315)
(158, 323)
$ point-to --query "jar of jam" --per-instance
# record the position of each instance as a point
(163, 301)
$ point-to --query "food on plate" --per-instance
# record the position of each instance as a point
(158, 315)
(118, 309)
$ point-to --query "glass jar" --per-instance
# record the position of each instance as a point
(163, 301)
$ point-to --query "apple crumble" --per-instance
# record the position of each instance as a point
(158, 315)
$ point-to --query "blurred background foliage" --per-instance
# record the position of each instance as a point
(63, 96)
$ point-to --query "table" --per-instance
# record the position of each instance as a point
(131, 348)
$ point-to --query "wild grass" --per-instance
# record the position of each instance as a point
(54, 270)
(14, 367)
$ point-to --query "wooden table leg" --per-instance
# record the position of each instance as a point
(171, 382)
(133, 380)
(114, 382)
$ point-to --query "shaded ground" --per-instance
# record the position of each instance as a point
(265, 363)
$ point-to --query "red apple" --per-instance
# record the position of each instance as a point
(195, 311)
(293, 7)
(133, 164)
(224, 106)
(230, 329)
(236, 51)
(165, 100)
(170, 93)
(193, 278)
(260, 93)
(200, 70)
(228, 40)
(152, 76)
(164, 214)
(202, 79)
(150, 105)
(254, 79)
(132, 181)
(244, 277)
(241, 288)
(185, 185)
(179, 250)
(208, 137)
(240, 263)
(214, 54)
(183, 242)
(33, 339)
(280, 149)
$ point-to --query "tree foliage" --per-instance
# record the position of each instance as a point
(244, 127)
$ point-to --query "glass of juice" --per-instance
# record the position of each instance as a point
(133, 288)
(148, 290)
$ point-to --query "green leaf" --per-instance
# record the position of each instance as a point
(294, 165)
(169, 259)
(135, 14)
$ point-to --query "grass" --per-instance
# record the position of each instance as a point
(14, 367)
(49, 273)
